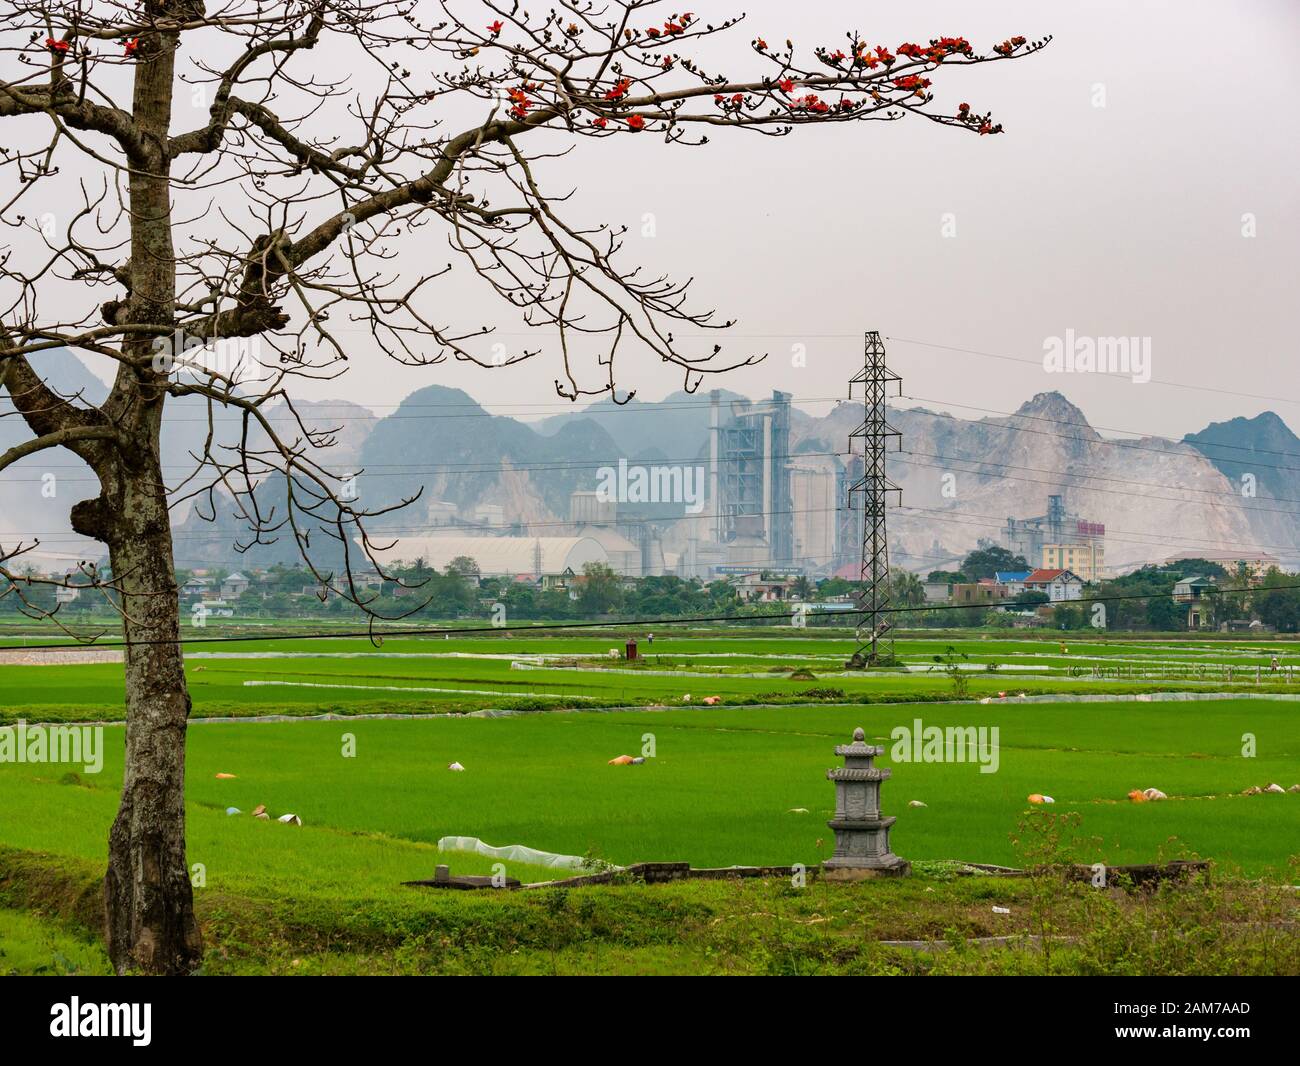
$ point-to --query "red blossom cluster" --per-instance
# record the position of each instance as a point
(131, 45)
(55, 45)
(519, 104)
(732, 103)
(496, 27)
(621, 88)
(786, 85)
(635, 123)
(672, 26)
(912, 81)
(812, 103)
(938, 50)
(1008, 46)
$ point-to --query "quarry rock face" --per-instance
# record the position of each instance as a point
(962, 478)
(1155, 497)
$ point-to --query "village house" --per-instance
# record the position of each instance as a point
(234, 586)
(1191, 592)
(754, 588)
(195, 588)
(937, 591)
(1059, 585)
(985, 590)
(1012, 580)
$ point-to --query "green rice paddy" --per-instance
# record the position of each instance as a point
(738, 783)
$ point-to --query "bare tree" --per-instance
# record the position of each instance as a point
(269, 228)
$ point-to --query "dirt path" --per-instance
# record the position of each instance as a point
(71, 657)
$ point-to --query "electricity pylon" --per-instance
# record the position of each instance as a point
(875, 644)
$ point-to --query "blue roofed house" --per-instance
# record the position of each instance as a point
(1014, 580)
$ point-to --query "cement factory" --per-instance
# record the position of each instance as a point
(747, 504)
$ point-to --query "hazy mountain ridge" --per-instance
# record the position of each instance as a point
(1155, 497)
(961, 478)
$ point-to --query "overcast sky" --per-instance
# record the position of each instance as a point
(1124, 219)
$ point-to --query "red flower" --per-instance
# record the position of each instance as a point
(635, 122)
(786, 85)
(55, 45)
(762, 44)
(812, 102)
(131, 44)
(520, 104)
(620, 90)
(600, 123)
(496, 27)
(652, 32)
(673, 27)
(963, 108)
(739, 98)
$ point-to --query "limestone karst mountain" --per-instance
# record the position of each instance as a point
(962, 478)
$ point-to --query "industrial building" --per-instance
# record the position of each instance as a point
(537, 557)
(1059, 540)
(749, 479)
(1256, 564)
(816, 484)
(749, 503)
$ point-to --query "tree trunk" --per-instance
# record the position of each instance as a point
(148, 900)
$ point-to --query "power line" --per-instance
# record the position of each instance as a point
(1112, 533)
(1111, 443)
(371, 634)
(507, 466)
(1039, 363)
(1101, 477)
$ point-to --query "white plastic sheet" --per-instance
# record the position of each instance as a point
(513, 853)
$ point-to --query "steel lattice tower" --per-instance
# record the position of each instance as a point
(875, 645)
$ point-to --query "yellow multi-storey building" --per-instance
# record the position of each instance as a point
(1084, 559)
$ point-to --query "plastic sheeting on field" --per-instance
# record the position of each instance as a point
(513, 852)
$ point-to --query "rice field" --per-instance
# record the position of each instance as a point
(739, 780)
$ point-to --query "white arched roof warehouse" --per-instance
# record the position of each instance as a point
(501, 556)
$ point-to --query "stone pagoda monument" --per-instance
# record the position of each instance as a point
(861, 834)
